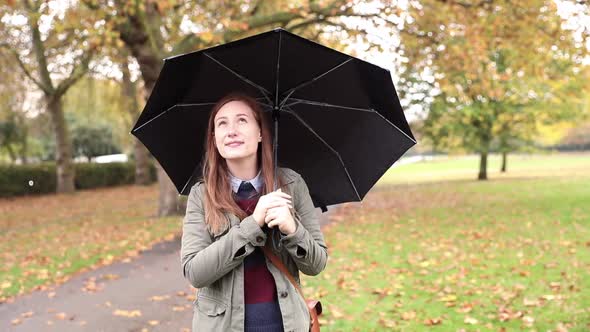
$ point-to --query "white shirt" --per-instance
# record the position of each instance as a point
(256, 182)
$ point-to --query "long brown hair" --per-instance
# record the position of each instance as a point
(218, 193)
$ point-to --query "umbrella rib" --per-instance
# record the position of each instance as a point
(169, 108)
(288, 110)
(370, 110)
(292, 90)
(262, 89)
(277, 73)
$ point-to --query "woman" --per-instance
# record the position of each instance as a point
(231, 213)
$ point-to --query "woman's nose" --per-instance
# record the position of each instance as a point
(232, 130)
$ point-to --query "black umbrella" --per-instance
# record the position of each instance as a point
(340, 121)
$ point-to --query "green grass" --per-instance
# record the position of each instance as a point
(511, 253)
(467, 168)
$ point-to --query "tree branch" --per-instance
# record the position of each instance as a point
(77, 72)
(186, 44)
(25, 70)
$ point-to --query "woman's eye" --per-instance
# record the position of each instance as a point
(220, 123)
(243, 119)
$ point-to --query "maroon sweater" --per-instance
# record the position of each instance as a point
(262, 311)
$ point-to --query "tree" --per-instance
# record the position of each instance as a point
(93, 139)
(43, 56)
(492, 63)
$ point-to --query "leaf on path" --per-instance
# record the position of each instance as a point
(27, 314)
(90, 285)
(159, 298)
(127, 313)
(110, 276)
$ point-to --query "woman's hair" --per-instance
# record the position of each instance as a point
(218, 194)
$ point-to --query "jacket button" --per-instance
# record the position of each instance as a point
(284, 294)
(259, 239)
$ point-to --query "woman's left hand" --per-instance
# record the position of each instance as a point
(281, 216)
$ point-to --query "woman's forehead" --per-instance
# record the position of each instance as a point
(234, 108)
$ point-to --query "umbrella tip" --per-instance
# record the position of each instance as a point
(278, 29)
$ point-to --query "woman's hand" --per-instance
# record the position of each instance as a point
(282, 217)
(271, 200)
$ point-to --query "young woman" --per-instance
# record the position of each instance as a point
(232, 212)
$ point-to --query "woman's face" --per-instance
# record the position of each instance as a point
(236, 131)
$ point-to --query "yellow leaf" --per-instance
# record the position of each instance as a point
(127, 313)
(470, 320)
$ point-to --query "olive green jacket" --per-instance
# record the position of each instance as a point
(214, 264)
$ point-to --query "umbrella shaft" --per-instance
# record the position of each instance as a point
(275, 119)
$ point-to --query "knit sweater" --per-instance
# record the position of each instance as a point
(262, 311)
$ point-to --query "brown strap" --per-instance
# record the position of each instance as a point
(276, 261)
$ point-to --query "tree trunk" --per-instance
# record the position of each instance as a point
(150, 65)
(142, 171)
(483, 166)
(504, 159)
(142, 162)
(11, 153)
(63, 146)
(168, 200)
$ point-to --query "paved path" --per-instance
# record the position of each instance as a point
(151, 284)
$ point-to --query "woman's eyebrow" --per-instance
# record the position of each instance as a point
(225, 117)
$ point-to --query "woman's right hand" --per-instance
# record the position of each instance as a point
(270, 200)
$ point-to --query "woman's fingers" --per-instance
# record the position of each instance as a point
(280, 194)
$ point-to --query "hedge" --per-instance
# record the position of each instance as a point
(17, 180)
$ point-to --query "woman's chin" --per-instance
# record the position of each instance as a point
(236, 156)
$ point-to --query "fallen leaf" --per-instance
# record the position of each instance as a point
(470, 320)
(27, 314)
(127, 313)
(159, 298)
(432, 321)
(528, 321)
(409, 315)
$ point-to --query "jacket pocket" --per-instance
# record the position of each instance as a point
(210, 306)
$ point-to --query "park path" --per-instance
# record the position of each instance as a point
(147, 293)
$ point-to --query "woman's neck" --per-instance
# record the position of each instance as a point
(243, 172)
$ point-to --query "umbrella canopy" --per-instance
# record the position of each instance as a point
(338, 119)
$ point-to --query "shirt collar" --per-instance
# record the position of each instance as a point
(256, 182)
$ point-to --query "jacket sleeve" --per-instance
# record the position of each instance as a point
(306, 245)
(203, 260)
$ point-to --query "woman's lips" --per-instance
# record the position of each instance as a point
(233, 145)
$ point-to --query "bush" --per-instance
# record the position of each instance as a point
(17, 180)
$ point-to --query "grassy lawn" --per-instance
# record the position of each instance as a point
(47, 239)
(508, 254)
(466, 168)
